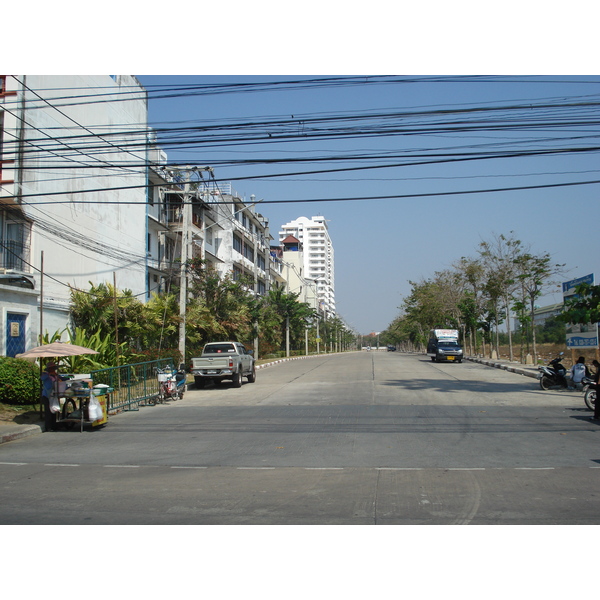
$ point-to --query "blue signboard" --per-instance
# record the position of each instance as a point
(569, 286)
(580, 336)
(580, 341)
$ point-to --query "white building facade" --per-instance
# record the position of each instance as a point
(87, 197)
(73, 191)
(237, 238)
(317, 272)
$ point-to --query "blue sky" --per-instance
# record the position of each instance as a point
(382, 244)
(379, 245)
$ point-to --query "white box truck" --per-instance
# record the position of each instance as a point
(443, 345)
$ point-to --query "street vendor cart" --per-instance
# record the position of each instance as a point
(83, 403)
(74, 399)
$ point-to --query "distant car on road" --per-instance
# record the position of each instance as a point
(391, 348)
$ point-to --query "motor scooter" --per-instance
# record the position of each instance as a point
(554, 375)
(589, 392)
(171, 384)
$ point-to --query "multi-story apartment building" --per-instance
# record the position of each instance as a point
(73, 192)
(237, 238)
(88, 197)
(315, 260)
(223, 230)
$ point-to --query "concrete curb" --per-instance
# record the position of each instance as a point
(10, 433)
(527, 372)
(287, 359)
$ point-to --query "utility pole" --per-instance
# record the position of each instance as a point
(186, 239)
(41, 334)
(185, 234)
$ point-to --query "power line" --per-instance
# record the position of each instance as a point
(168, 91)
(384, 197)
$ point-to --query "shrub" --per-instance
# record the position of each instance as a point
(19, 381)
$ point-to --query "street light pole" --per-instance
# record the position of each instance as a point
(186, 218)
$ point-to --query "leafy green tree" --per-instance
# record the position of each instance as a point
(583, 307)
(221, 307)
(534, 273)
(291, 313)
(499, 255)
(161, 322)
(269, 326)
(95, 311)
(553, 331)
(472, 305)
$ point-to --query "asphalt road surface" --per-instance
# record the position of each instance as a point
(360, 438)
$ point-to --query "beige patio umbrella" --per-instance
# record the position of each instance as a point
(56, 350)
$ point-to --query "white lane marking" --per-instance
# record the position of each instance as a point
(323, 468)
(534, 468)
(398, 469)
(22, 464)
(466, 468)
(255, 468)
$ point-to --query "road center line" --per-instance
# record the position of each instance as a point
(399, 468)
(466, 468)
(255, 468)
(534, 468)
(323, 468)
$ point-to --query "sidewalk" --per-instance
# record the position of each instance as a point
(14, 431)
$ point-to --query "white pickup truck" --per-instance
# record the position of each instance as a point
(223, 360)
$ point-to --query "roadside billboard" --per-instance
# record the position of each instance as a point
(580, 336)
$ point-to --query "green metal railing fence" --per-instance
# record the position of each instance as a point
(133, 385)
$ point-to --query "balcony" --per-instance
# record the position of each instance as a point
(14, 256)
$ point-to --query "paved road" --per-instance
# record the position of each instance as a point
(362, 438)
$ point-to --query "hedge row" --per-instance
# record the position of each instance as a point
(19, 381)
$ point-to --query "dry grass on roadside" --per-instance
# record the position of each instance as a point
(22, 415)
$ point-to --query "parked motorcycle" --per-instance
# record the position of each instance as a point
(554, 374)
(171, 384)
(589, 393)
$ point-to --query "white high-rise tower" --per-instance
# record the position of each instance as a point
(318, 262)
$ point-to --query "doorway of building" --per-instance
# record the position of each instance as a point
(15, 333)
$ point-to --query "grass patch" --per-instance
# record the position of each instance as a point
(23, 414)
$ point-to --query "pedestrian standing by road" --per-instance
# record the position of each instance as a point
(50, 401)
(596, 386)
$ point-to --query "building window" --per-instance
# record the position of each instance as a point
(237, 243)
(249, 252)
(238, 212)
(14, 243)
(237, 273)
